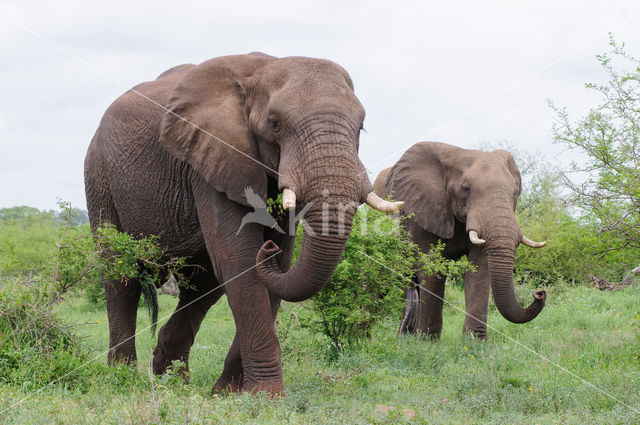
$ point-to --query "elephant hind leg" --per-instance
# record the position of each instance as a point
(177, 335)
(122, 308)
(232, 376)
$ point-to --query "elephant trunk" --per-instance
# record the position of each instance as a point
(332, 201)
(318, 259)
(502, 239)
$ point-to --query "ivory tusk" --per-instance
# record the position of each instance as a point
(288, 199)
(532, 244)
(473, 237)
(376, 202)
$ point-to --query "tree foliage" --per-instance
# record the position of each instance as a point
(608, 196)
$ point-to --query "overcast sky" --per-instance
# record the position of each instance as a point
(459, 72)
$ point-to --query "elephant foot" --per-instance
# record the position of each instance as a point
(228, 384)
(161, 362)
(238, 384)
(121, 356)
(274, 389)
(432, 334)
(479, 334)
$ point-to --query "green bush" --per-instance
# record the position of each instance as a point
(544, 216)
(31, 337)
(111, 254)
(378, 263)
(36, 348)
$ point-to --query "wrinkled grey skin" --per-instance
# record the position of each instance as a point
(291, 122)
(452, 191)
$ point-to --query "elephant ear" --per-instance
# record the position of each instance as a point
(206, 125)
(512, 167)
(419, 179)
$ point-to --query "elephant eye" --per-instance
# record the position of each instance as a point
(466, 189)
(274, 124)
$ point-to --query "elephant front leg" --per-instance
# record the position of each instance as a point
(233, 256)
(257, 339)
(231, 378)
(431, 293)
(122, 308)
(477, 286)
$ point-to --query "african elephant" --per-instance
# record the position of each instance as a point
(182, 156)
(459, 196)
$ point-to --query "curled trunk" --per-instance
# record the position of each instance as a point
(502, 236)
(318, 259)
(502, 286)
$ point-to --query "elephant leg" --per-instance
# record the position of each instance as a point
(233, 257)
(431, 295)
(477, 286)
(177, 335)
(122, 308)
(231, 378)
(256, 336)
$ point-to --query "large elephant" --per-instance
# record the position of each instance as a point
(187, 156)
(467, 199)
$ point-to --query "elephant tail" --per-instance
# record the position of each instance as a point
(409, 321)
(150, 301)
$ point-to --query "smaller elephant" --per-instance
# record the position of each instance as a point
(467, 199)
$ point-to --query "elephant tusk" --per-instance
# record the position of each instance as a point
(532, 244)
(376, 202)
(473, 237)
(288, 199)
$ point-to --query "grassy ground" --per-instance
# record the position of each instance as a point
(593, 334)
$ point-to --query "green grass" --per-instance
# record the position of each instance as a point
(456, 380)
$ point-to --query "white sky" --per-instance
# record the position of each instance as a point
(457, 72)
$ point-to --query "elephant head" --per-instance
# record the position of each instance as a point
(292, 123)
(441, 183)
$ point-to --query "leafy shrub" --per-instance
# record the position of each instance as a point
(36, 348)
(85, 259)
(29, 332)
(378, 263)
